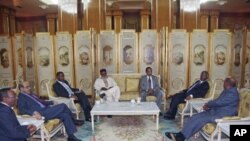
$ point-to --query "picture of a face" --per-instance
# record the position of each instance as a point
(237, 55)
(178, 58)
(128, 55)
(4, 58)
(220, 58)
(107, 55)
(83, 55)
(29, 57)
(64, 56)
(198, 58)
(43, 56)
(20, 57)
(148, 54)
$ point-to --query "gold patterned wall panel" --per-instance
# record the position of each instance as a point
(84, 71)
(199, 54)
(18, 53)
(149, 50)
(247, 65)
(237, 54)
(220, 58)
(45, 67)
(128, 51)
(6, 66)
(64, 55)
(163, 33)
(29, 67)
(107, 51)
(178, 50)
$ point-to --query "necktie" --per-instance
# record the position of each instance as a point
(40, 102)
(149, 82)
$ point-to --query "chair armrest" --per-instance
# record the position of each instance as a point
(232, 119)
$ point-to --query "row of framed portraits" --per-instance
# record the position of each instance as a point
(178, 56)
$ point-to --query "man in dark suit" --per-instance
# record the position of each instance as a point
(197, 90)
(149, 85)
(225, 105)
(10, 128)
(63, 89)
(30, 104)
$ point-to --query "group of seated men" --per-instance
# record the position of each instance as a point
(29, 104)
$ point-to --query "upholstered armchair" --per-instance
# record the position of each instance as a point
(209, 131)
(74, 107)
(184, 109)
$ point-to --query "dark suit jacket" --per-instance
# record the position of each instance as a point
(61, 91)
(198, 91)
(27, 105)
(10, 129)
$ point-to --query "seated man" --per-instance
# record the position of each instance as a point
(30, 104)
(10, 129)
(225, 105)
(107, 87)
(63, 89)
(197, 90)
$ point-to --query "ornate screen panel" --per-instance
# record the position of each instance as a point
(149, 56)
(199, 54)
(163, 59)
(237, 54)
(18, 52)
(178, 60)
(107, 51)
(247, 67)
(45, 69)
(83, 53)
(64, 55)
(6, 66)
(29, 67)
(220, 57)
(128, 51)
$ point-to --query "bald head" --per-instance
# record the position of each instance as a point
(230, 82)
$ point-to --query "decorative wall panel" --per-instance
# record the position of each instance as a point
(178, 61)
(64, 55)
(220, 58)
(149, 50)
(45, 69)
(83, 53)
(107, 51)
(128, 51)
(199, 54)
(247, 67)
(162, 53)
(6, 66)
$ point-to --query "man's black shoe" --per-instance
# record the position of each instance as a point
(160, 114)
(102, 95)
(73, 138)
(175, 136)
(168, 117)
(78, 122)
(109, 116)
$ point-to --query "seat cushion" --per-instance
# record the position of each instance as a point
(51, 124)
(132, 84)
(209, 128)
(181, 106)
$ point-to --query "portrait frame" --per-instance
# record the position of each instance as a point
(178, 52)
(6, 62)
(148, 51)
(220, 65)
(64, 55)
(83, 56)
(128, 50)
(107, 51)
(44, 51)
(199, 54)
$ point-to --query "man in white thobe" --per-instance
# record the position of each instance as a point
(107, 88)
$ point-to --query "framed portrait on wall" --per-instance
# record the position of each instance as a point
(107, 51)
(149, 50)
(178, 52)
(220, 60)
(29, 65)
(199, 54)
(247, 61)
(84, 64)
(64, 55)
(44, 61)
(128, 50)
(18, 52)
(6, 66)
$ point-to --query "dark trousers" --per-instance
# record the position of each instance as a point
(175, 101)
(62, 112)
(84, 102)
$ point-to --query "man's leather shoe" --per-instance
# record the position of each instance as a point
(109, 116)
(73, 138)
(175, 136)
(78, 122)
(168, 117)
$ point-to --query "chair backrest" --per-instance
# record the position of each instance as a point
(50, 90)
(244, 105)
(211, 91)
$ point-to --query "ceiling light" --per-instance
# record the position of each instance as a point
(49, 2)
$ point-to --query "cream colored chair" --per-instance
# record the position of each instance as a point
(184, 108)
(74, 107)
(210, 130)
